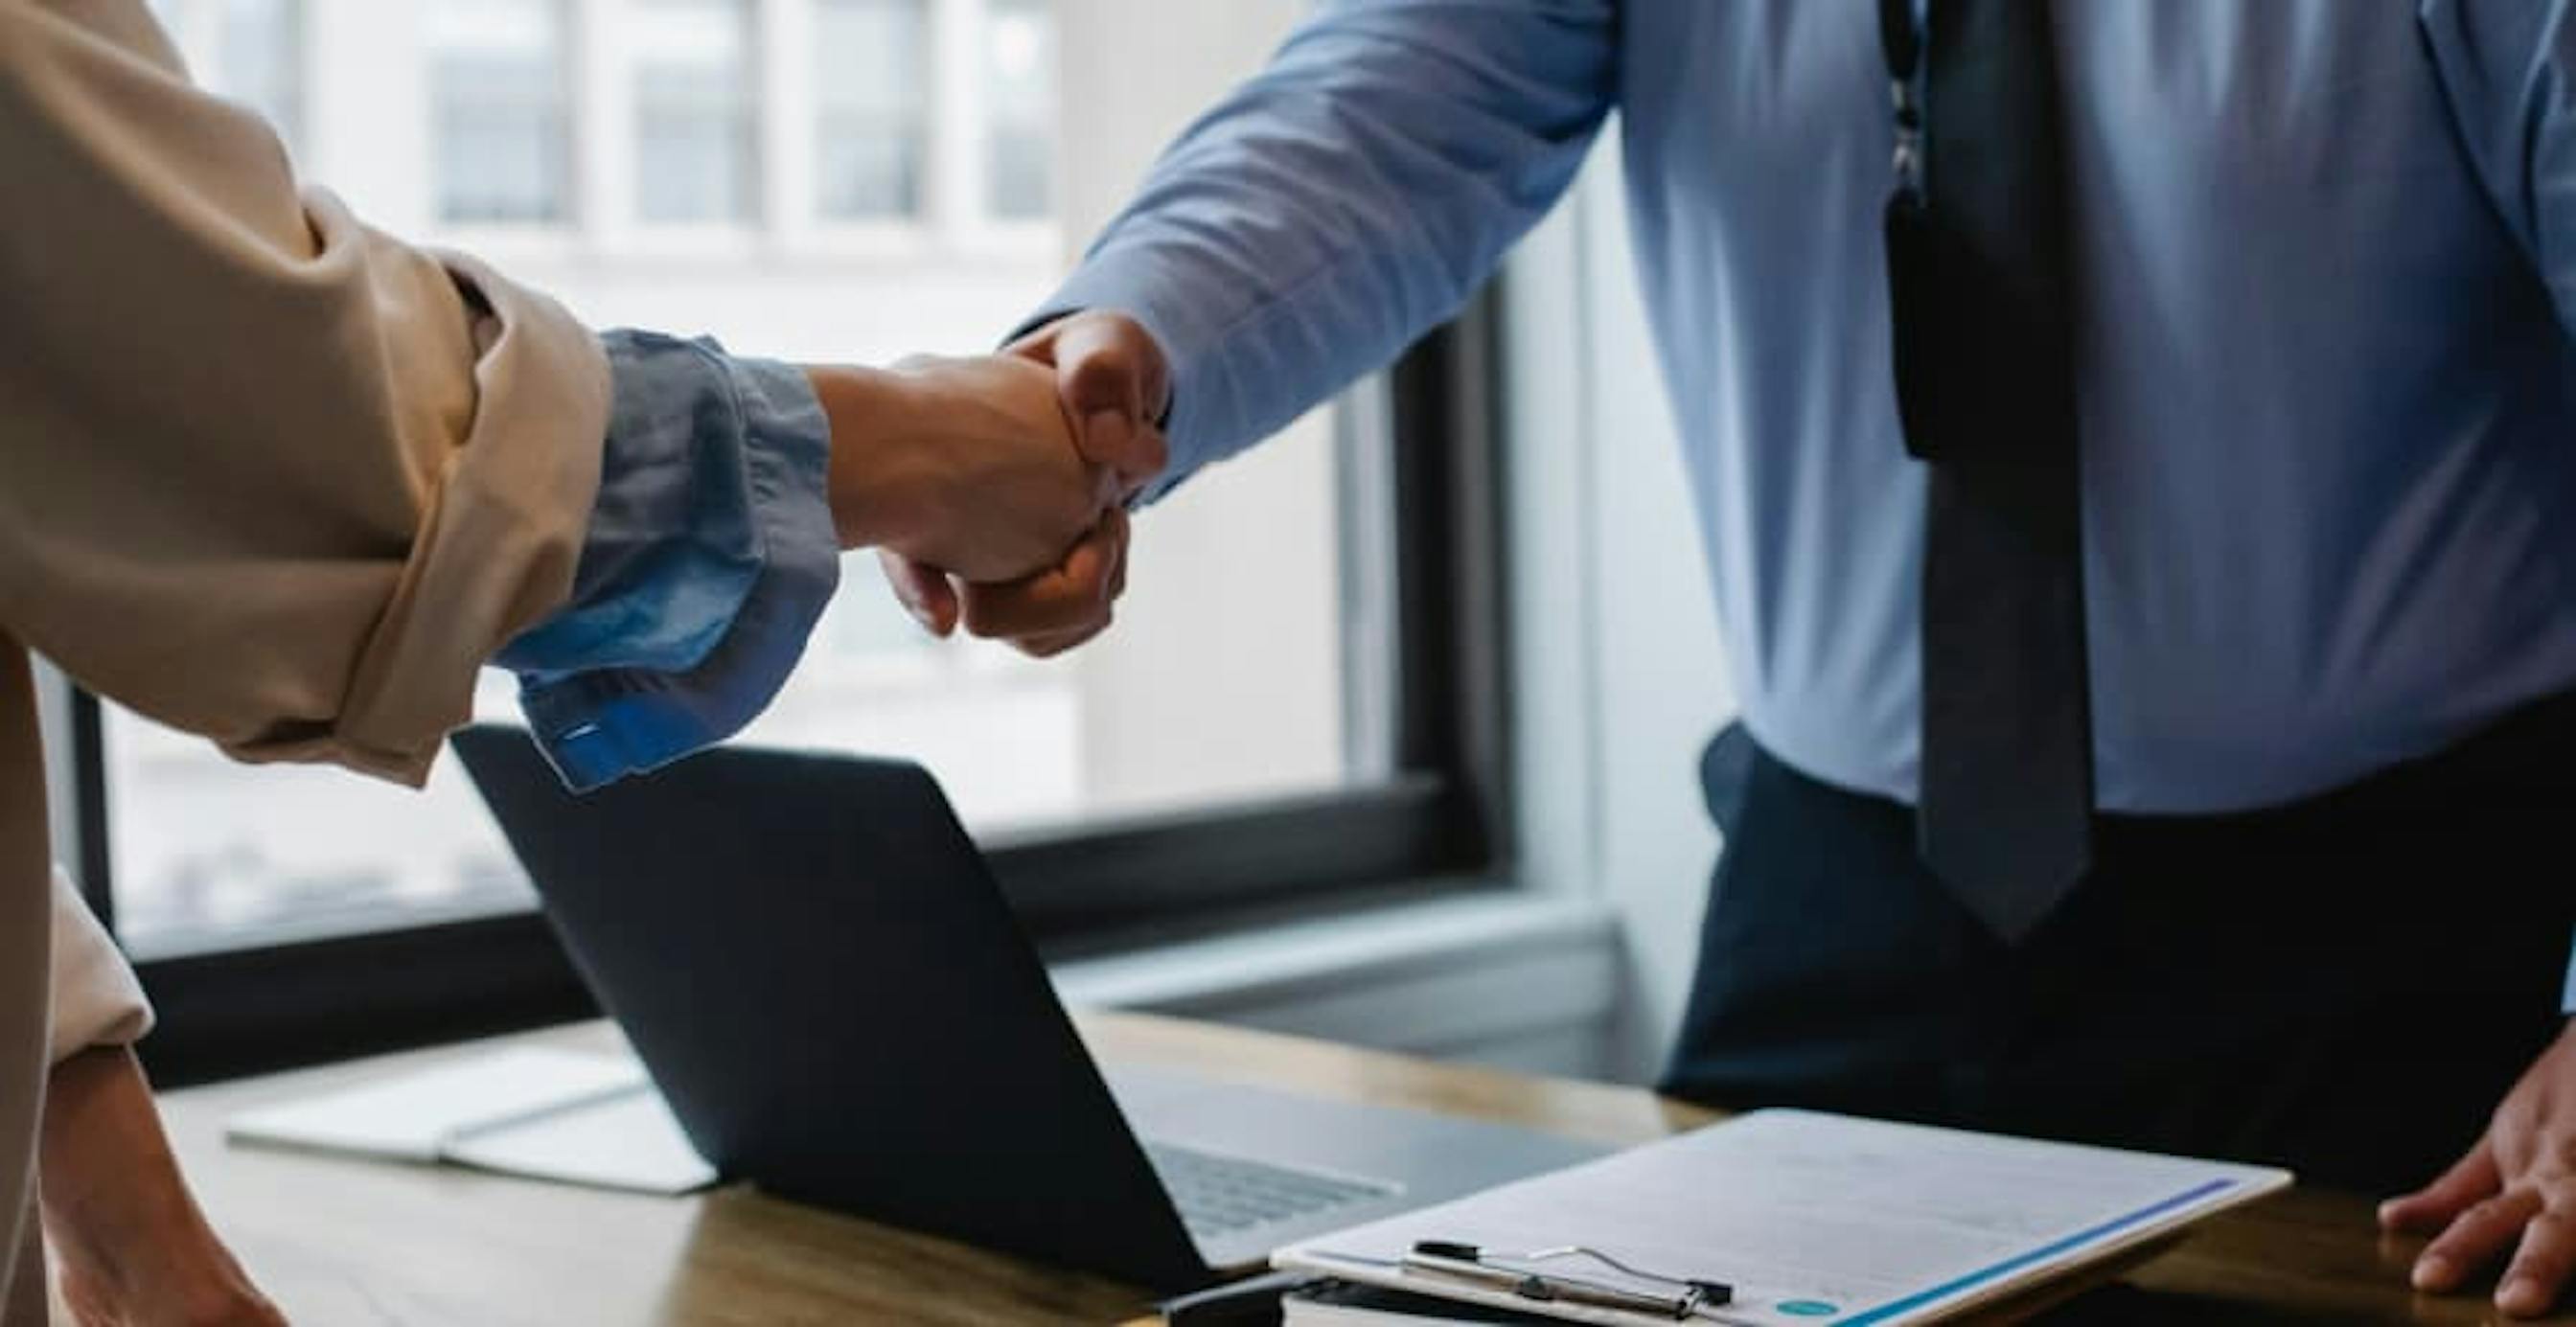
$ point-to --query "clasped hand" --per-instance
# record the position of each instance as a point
(995, 487)
(1103, 379)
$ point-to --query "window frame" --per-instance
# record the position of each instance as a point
(1437, 822)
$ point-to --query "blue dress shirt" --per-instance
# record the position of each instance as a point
(2327, 266)
(710, 556)
(2327, 250)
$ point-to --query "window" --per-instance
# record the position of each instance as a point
(697, 129)
(248, 50)
(207, 853)
(1019, 66)
(871, 121)
(261, 51)
(499, 85)
(1291, 707)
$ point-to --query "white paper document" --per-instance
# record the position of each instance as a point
(1810, 1218)
(563, 1115)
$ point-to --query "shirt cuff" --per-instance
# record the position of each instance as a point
(710, 558)
(1149, 289)
(97, 1001)
(2567, 992)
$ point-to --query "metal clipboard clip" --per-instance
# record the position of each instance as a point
(1687, 1298)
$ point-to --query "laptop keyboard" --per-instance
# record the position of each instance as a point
(1219, 1195)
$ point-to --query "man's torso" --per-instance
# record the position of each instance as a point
(2325, 393)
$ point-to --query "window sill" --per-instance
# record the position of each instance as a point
(1513, 978)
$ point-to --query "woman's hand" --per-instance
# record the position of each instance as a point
(131, 1246)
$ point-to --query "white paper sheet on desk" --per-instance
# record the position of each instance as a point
(626, 1142)
(573, 1116)
(411, 1115)
(1814, 1219)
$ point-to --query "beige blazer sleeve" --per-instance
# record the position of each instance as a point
(265, 474)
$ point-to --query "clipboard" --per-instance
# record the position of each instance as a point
(1804, 1219)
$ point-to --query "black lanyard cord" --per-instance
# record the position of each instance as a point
(1900, 37)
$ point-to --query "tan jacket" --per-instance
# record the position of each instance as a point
(265, 475)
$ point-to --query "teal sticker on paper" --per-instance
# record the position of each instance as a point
(1808, 1308)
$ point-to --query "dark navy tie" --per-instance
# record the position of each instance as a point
(1981, 303)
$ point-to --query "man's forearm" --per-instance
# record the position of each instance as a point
(1344, 201)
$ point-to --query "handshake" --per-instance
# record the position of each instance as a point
(994, 489)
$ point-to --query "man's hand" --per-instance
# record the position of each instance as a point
(964, 465)
(133, 1248)
(1113, 382)
(2516, 1189)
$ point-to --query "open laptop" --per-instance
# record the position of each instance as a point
(813, 962)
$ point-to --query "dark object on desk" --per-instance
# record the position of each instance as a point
(1251, 1302)
(2121, 1305)
(1342, 1304)
(821, 975)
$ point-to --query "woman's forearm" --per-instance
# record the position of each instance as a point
(964, 464)
(132, 1242)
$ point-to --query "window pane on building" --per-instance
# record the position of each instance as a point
(501, 110)
(1020, 88)
(697, 124)
(262, 64)
(249, 51)
(871, 107)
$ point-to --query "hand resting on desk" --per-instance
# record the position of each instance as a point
(2516, 1189)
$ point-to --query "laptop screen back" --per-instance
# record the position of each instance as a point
(811, 958)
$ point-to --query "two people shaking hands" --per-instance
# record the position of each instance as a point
(273, 477)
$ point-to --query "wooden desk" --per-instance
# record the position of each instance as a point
(343, 1242)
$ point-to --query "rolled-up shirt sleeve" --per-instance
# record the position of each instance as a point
(709, 557)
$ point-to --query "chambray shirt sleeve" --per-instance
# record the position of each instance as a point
(1346, 200)
(709, 557)
(2508, 68)
(2567, 992)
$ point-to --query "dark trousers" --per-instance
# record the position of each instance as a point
(2346, 986)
